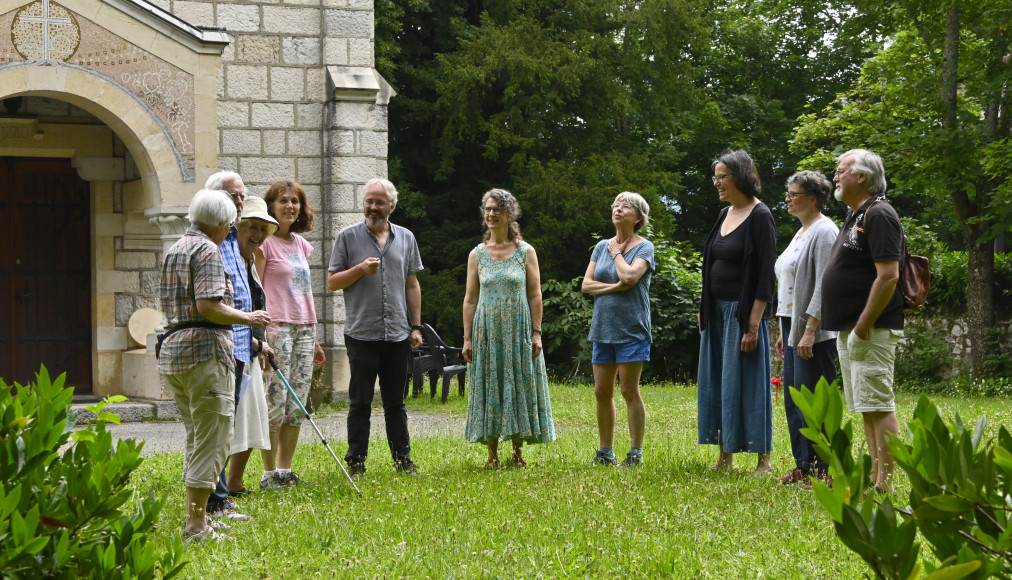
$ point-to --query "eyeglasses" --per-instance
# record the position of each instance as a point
(377, 202)
(492, 210)
(717, 178)
(236, 196)
(791, 196)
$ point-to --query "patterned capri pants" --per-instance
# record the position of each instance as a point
(294, 345)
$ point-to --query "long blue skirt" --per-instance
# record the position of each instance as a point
(735, 406)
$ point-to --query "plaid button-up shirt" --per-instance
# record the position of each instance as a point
(193, 270)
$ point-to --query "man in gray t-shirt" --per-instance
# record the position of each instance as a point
(375, 262)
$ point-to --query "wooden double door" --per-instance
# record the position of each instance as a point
(45, 271)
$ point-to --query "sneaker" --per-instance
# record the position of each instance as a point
(228, 513)
(208, 535)
(405, 466)
(292, 480)
(792, 476)
(217, 525)
(632, 460)
(273, 482)
(601, 459)
(356, 469)
(240, 493)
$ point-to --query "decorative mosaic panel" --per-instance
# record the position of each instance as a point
(44, 33)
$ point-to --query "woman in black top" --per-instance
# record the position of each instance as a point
(735, 407)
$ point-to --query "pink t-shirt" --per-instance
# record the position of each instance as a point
(286, 280)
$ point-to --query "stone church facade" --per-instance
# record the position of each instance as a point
(112, 115)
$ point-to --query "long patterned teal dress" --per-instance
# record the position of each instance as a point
(508, 388)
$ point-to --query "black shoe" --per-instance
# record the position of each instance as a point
(356, 469)
(240, 493)
(406, 466)
(292, 480)
(273, 482)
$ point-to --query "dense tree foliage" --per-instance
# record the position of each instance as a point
(568, 102)
(935, 103)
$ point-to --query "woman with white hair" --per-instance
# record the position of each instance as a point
(618, 277)
(196, 351)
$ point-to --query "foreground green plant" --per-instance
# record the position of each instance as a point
(959, 492)
(62, 515)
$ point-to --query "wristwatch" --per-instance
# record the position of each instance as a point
(417, 327)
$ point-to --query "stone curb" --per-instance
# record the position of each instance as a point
(132, 411)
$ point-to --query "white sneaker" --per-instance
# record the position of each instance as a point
(216, 525)
(228, 513)
(207, 535)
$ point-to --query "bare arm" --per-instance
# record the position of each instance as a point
(344, 278)
(471, 293)
(630, 274)
(260, 263)
(808, 338)
(750, 340)
(534, 300)
(413, 296)
(887, 275)
(218, 312)
(592, 286)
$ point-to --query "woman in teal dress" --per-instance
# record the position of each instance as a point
(508, 386)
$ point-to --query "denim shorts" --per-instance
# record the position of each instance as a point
(621, 352)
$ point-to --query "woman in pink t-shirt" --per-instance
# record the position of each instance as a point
(283, 266)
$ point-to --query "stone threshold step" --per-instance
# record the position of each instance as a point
(132, 410)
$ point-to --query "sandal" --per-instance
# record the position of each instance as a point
(241, 492)
(518, 462)
(492, 463)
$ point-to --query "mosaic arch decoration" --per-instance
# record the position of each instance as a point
(44, 33)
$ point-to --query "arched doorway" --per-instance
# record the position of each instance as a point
(45, 276)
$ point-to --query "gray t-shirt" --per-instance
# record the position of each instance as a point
(375, 306)
(621, 317)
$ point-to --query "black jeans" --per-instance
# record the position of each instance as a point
(389, 361)
(799, 372)
(216, 500)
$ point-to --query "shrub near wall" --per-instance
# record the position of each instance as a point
(935, 351)
(64, 515)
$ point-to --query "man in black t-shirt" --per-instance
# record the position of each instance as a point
(862, 300)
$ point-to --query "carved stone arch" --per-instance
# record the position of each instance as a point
(140, 132)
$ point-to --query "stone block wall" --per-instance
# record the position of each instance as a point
(278, 117)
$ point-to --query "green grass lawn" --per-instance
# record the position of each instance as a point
(557, 518)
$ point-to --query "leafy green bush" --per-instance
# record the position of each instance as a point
(923, 353)
(62, 516)
(566, 324)
(958, 499)
(675, 291)
(949, 281)
(921, 241)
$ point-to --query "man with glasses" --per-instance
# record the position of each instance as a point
(375, 262)
(863, 301)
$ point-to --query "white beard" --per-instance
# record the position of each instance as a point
(838, 194)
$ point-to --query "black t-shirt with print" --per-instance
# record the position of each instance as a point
(871, 234)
